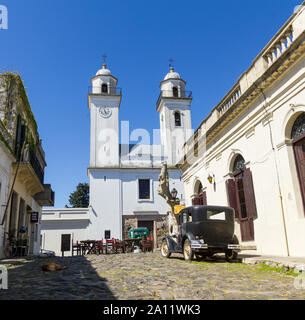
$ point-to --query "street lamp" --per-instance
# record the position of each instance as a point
(174, 193)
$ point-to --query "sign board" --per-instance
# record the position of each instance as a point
(179, 208)
(65, 242)
(34, 217)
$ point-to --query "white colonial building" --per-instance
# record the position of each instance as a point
(6, 160)
(124, 177)
(23, 191)
(249, 152)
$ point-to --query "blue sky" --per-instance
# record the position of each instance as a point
(57, 47)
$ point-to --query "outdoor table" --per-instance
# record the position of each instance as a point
(89, 246)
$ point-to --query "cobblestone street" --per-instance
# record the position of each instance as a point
(143, 276)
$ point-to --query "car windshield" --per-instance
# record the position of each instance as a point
(140, 233)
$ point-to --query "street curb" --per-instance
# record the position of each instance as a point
(273, 262)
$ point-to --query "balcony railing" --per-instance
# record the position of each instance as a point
(174, 95)
(111, 91)
(45, 198)
(29, 156)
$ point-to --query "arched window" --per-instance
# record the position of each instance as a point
(200, 195)
(239, 163)
(104, 88)
(177, 119)
(298, 128)
(175, 91)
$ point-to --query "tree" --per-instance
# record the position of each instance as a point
(80, 198)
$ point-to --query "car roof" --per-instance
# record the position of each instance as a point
(206, 208)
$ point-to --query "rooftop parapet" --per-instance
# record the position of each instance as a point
(290, 37)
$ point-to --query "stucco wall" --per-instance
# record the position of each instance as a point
(56, 222)
(261, 136)
(114, 193)
(5, 164)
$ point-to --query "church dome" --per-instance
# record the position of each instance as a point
(104, 71)
(172, 75)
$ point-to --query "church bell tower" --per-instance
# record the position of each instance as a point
(104, 101)
(174, 107)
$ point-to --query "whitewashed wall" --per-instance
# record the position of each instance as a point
(33, 232)
(250, 136)
(114, 193)
(56, 222)
(5, 165)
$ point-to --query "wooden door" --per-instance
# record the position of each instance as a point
(65, 242)
(241, 198)
(13, 223)
(246, 221)
(299, 152)
(201, 200)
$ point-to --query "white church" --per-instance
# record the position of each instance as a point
(124, 177)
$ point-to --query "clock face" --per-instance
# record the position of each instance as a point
(105, 112)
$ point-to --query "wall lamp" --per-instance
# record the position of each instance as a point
(211, 178)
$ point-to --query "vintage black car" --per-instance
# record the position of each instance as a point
(203, 231)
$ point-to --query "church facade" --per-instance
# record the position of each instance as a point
(249, 153)
(124, 177)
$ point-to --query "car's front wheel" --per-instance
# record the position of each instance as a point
(164, 249)
(187, 251)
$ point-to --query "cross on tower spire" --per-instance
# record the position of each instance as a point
(171, 64)
(104, 58)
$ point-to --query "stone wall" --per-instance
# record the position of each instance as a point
(128, 224)
(160, 226)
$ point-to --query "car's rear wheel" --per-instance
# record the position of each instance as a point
(164, 249)
(231, 255)
(187, 251)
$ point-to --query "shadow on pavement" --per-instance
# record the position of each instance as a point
(214, 259)
(80, 281)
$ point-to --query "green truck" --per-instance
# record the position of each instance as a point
(138, 233)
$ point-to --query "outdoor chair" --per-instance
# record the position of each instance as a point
(118, 245)
(109, 245)
(100, 247)
(76, 247)
(147, 244)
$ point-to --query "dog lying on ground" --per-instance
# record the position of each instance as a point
(52, 267)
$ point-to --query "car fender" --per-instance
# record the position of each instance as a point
(170, 244)
(188, 236)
